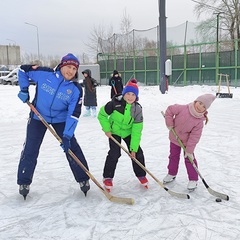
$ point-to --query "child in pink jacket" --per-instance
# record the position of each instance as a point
(187, 121)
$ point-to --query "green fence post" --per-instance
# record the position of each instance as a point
(145, 67)
(217, 49)
(185, 66)
(236, 61)
(200, 65)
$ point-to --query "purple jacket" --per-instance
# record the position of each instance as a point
(187, 127)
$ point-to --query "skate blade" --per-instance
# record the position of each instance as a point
(191, 189)
(24, 197)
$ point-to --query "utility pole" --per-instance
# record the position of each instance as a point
(217, 48)
(163, 44)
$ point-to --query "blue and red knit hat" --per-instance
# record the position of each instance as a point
(69, 59)
(131, 87)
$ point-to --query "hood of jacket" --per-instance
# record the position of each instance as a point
(88, 72)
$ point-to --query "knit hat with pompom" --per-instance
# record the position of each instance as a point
(131, 87)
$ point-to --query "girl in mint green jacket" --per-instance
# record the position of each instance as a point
(122, 118)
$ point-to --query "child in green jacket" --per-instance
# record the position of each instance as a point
(122, 118)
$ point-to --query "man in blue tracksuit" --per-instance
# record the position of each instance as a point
(59, 101)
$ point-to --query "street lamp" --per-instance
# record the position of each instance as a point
(11, 40)
(37, 37)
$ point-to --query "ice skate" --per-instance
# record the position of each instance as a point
(144, 182)
(107, 182)
(192, 185)
(84, 186)
(24, 190)
(168, 178)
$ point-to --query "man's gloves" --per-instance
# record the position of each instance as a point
(189, 155)
(66, 143)
(24, 95)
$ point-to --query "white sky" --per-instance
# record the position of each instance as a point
(65, 26)
(56, 209)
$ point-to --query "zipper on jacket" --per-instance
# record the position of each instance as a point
(130, 120)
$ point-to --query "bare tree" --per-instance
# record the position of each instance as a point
(126, 23)
(207, 30)
(228, 12)
(28, 58)
(102, 39)
(97, 36)
(127, 34)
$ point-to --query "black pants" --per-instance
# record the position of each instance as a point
(28, 160)
(115, 152)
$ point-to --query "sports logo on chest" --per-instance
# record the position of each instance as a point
(48, 89)
(64, 96)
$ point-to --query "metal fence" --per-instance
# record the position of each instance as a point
(191, 64)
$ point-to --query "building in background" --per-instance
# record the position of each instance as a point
(10, 56)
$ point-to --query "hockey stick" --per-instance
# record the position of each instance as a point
(175, 194)
(114, 88)
(110, 197)
(210, 190)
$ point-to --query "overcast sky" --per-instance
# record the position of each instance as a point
(65, 26)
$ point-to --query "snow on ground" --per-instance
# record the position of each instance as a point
(56, 208)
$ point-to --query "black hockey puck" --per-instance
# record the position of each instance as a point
(218, 199)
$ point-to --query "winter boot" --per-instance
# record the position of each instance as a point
(24, 190)
(168, 178)
(107, 182)
(192, 185)
(94, 113)
(84, 186)
(144, 182)
(87, 113)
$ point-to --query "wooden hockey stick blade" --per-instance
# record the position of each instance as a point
(123, 200)
(176, 194)
(218, 194)
(215, 193)
(172, 193)
(111, 198)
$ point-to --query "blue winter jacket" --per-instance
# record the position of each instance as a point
(56, 99)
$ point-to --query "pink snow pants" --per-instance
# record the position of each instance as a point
(174, 159)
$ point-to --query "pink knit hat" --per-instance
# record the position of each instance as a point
(206, 99)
